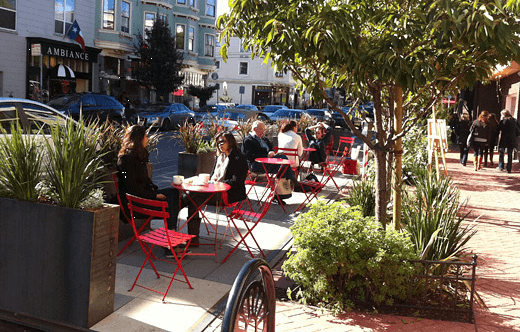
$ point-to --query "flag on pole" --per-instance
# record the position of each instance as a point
(74, 33)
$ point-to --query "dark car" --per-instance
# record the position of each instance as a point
(165, 117)
(354, 116)
(232, 116)
(92, 106)
(321, 115)
(247, 107)
(270, 109)
(208, 109)
(286, 113)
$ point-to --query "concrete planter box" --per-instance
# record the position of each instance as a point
(190, 164)
(57, 263)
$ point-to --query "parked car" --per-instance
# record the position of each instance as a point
(165, 117)
(286, 113)
(232, 116)
(354, 116)
(321, 115)
(211, 109)
(92, 105)
(247, 107)
(270, 109)
(32, 114)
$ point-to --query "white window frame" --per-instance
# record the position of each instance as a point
(181, 2)
(129, 16)
(105, 13)
(192, 3)
(191, 38)
(15, 16)
(214, 5)
(206, 45)
(184, 39)
(144, 22)
(240, 68)
(64, 20)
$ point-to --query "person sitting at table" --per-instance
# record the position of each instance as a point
(230, 168)
(289, 139)
(256, 145)
(133, 173)
(318, 137)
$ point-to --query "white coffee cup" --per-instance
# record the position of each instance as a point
(204, 177)
(177, 179)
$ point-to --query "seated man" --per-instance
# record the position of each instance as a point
(320, 139)
(256, 145)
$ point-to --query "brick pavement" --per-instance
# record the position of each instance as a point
(493, 203)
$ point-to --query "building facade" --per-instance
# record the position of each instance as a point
(243, 80)
(118, 22)
(34, 42)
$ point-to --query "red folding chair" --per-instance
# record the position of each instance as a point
(340, 154)
(345, 142)
(253, 180)
(234, 212)
(124, 214)
(293, 153)
(162, 237)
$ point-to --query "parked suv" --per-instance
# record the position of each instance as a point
(165, 117)
(92, 105)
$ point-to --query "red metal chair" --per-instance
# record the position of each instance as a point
(340, 154)
(124, 214)
(293, 154)
(234, 213)
(162, 237)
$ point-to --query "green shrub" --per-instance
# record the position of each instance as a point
(343, 259)
(20, 163)
(363, 194)
(415, 154)
(433, 219)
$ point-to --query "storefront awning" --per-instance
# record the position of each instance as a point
(62, 72)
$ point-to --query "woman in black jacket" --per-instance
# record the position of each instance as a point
(462, 131)
(508, 129)
(479, 134)
(133, 173)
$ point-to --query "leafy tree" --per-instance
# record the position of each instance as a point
(404, 55)
(161, 62)
(203, 93)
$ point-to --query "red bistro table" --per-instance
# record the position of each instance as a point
(271, 178)
(212, 189)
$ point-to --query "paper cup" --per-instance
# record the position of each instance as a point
(204, 177)
(177, 179)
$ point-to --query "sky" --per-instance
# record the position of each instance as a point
(222, 7)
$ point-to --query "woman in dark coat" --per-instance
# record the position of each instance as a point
(508, 129)
(462, 131)
(133, 173)
(492, 141)
(479, 134)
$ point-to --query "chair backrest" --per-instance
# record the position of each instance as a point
(292, 154)
(328, 148)
(344, 148)
(123, 207)
(150, 208)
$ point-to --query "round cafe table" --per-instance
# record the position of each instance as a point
(211, 188)
(271, 178)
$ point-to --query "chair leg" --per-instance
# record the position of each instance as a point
(132, 239)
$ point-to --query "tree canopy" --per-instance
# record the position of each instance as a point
(161, 62)
(373, 48)
(203, 93)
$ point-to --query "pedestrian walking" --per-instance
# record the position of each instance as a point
(492, 141)
(478, 137)
(462, 130)
(508, 130)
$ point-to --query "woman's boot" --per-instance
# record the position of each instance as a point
(475, 162)
(480, 162)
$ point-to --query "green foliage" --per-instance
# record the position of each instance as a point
(203, 93)
(161, 61)
(432, 217)
(75, 162)
(415, 154)
(344, 259)
(20, 163)
(363, 194)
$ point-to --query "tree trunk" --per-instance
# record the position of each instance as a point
(398, 178)
(381, 187)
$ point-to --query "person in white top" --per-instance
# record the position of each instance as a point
(289, 139)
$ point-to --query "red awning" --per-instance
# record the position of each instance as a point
(448, 101)
(179, 92)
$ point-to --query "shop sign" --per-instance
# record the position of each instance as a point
(36, 49)
(52, 50)
(262, 88)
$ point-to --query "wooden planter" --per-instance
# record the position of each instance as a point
(58, 263)
(190, 164)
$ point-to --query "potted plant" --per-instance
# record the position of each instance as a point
(60, 238)
(199, 154)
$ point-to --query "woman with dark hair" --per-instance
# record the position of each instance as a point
(133, 173)
(479, 135)
(509, 130)
(289, 139)
(492, 142)
(462, 131)
(230, 168)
